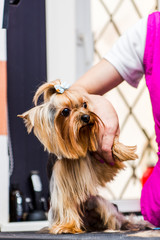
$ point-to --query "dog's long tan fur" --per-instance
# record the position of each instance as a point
(76, 173)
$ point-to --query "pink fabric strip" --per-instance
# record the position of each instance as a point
(150, 198)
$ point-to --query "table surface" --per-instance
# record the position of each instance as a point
(141, 235)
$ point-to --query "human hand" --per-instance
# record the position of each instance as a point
(107, 130)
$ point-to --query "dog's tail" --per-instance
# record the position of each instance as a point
(122, 152)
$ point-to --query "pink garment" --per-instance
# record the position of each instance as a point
(150, 198)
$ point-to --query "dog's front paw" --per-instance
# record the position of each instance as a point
(67, 228)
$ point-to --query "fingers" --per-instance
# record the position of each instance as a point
(107, 143)
(108, 127)
(104, 152)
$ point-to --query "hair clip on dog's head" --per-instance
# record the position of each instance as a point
(59, 88)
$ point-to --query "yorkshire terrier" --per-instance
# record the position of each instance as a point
(67, 126)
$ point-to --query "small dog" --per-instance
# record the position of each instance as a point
(67, 127)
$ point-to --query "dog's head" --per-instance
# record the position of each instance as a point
(64, 122)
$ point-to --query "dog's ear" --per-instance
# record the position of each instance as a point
(47, 89)
(28, 118)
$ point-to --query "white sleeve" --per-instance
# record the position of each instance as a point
(127, 53)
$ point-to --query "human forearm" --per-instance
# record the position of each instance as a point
(99, 79)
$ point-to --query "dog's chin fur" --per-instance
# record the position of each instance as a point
(76, 174)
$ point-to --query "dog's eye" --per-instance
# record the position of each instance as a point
(85, 105)
(65, 112)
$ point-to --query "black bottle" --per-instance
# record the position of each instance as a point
(39, 203)
(16, 204)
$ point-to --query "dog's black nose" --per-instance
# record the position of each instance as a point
(85, 118)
